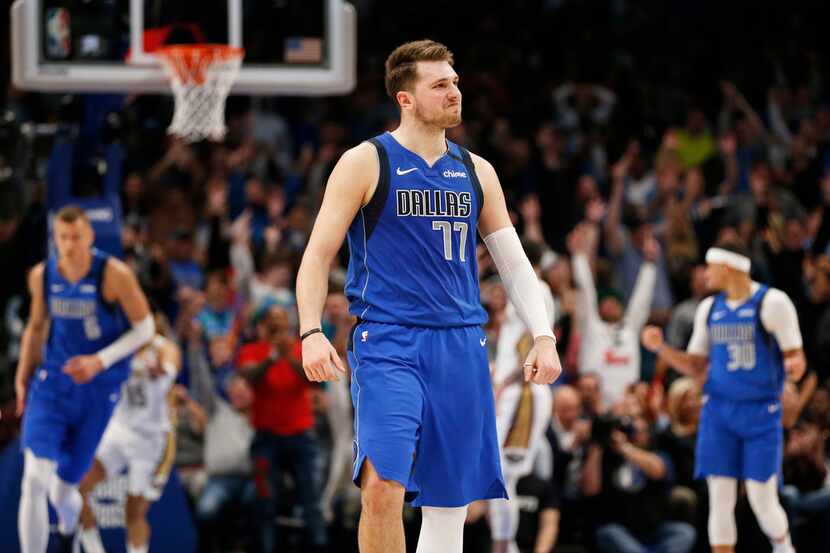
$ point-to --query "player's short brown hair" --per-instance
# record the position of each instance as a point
(400, 65)
(734, 246)
(70, 214)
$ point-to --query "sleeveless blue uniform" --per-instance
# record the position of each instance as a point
(64, 421)
(740, 433)
(420, 377)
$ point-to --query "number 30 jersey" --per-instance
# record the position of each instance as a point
(745, 361)
(82, 322)
(413, 246)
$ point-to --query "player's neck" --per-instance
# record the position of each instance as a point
(738, 289)
(75, 270)
(427, 141)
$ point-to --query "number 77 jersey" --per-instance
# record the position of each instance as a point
(413, 246)
(745, 361)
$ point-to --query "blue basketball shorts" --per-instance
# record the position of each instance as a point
(64, 421)
(740, 439)
(424, 412)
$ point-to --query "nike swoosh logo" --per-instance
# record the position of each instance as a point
(398, 170)
(482, 341)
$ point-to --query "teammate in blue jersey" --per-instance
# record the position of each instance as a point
(87, 315)
(410, 203)
(746, 342)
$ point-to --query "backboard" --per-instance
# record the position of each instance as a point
(293, 47)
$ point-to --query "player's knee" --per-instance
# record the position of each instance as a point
(382, 498)
(37, 474)
(62, 493)
(762, 495)
(763, 498)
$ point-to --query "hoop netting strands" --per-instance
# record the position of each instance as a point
(201, 77)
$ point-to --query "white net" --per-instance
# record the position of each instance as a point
(201, 78)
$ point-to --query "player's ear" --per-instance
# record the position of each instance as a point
(405, 100)
(91, 233)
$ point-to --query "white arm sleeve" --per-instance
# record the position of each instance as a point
(520, 280)
(779, 317)
(699, 342)
(129, 342)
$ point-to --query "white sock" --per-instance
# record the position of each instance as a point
(91, 540)
(67, 501)
(136, 548)
(33, 515)
(442, 530)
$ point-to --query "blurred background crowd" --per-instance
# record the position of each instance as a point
(628, 137)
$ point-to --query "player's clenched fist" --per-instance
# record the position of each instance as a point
(652, 338)
(320, 359)
(542, 365)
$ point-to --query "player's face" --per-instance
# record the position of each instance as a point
(715, 276)
(436, 97)
(73, 240)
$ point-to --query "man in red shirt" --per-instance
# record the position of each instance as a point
(283, 418)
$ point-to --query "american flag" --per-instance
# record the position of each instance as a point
(303, 50)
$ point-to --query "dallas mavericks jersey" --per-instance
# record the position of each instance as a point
(745, 361)
(82, 322)
(413, 246)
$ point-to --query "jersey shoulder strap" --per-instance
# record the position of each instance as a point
(373, 209)
(471, 170)
(761, 295)
(100, 260)
(715, 299)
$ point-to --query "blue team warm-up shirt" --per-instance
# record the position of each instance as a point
(745, 361)
(413, 246)
(64, 421)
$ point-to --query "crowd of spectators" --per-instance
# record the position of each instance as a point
(626, 142)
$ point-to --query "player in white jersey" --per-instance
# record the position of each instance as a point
(139, 438)
(523, 412)
(611, 336)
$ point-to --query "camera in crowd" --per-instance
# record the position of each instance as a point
(604, 426)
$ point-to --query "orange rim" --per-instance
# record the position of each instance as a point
(190, 61)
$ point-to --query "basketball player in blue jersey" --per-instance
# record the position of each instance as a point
(87, 315)
(748, 337)
(410, 203)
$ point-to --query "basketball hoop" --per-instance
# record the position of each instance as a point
(201, 76)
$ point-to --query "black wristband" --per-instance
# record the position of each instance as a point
(310, 332)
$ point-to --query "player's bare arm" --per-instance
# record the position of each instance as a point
(795, 364)
(688, 364)
(542, 365)
(350, 186)
(169, 360)
(33, 336)
(119, 286)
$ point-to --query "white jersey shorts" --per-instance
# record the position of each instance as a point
(148, 459)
